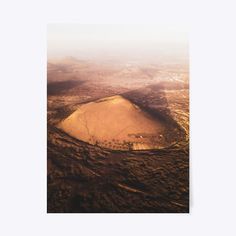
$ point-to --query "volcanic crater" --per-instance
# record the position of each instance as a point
(116, 123)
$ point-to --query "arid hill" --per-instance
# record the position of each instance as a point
(115, 123)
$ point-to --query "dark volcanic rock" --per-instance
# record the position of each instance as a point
(86, 178)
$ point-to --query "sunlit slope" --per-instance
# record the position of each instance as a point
(114, 123)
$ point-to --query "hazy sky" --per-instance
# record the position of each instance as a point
(146, 42)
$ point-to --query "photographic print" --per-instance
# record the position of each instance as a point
(117, 119)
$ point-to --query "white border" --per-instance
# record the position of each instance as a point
(23, 116)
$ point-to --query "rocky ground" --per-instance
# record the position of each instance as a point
(88, 178)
